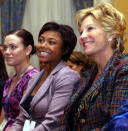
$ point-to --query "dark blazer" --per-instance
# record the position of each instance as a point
(92, 105)
(50, 101)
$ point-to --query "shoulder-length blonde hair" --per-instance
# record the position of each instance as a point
(110, 19)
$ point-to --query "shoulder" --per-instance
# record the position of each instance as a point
(8, 82)
(67, 72)
(62, 71)
(31, 72)
(66, 78)
(121, 59)
(120, 62)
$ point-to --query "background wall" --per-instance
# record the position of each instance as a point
(38, 13)
(122, 5)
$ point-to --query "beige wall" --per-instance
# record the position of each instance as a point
(122, 5)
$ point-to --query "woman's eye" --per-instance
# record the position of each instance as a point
(5, 48)
(52, 42)
(89, 28)
(81, 32)
(13, 47)
(40, 40)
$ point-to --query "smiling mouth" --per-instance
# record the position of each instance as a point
(44, 53)
(87, 43)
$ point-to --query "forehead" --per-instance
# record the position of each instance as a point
(51, 34)
(90, 20)
(13, 39)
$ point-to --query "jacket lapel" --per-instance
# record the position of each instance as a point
(31, 85)
(45, 86)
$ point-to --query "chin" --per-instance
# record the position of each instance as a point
(87, 53)
(10, 64)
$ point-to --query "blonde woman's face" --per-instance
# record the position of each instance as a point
(93, 38)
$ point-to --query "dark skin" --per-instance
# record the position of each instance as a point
(49, 52)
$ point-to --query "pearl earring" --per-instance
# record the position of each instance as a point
(110, 39)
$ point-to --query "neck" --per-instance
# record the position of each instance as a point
(48, 67)
(20, 68)
(102, 60)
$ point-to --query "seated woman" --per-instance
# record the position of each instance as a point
(102, 34)
(49, 92)
(18, 47)
(3, 77)
(79, 62)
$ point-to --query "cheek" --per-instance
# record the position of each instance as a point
(80, 41)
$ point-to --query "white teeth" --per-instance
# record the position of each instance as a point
(44, 53)
(86, 43)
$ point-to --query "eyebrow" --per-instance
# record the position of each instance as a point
(48, 38)
(11, 44)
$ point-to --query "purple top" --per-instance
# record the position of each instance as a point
(15, 96)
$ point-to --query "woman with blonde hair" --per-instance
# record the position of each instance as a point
(102, 30)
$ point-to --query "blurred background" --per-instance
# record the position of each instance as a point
(32, 14)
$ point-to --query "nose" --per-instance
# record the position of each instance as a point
(7, 51)
(83, 36)
(43, 44)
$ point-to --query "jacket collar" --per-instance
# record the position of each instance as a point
(33, 82)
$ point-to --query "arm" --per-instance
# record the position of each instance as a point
(19, 123)
(63, 85)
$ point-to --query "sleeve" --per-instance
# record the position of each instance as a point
(62, 92)
(120, 89)
(19, 123)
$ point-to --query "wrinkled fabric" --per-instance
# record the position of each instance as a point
(119, 121)
(16, 95)
(92, 105)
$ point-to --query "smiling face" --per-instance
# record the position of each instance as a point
(93, 38)
(49, 48)
(14, 50)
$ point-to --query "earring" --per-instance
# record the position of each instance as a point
(110, 39)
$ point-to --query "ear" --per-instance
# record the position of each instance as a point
(111, 38)
(28, 50)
